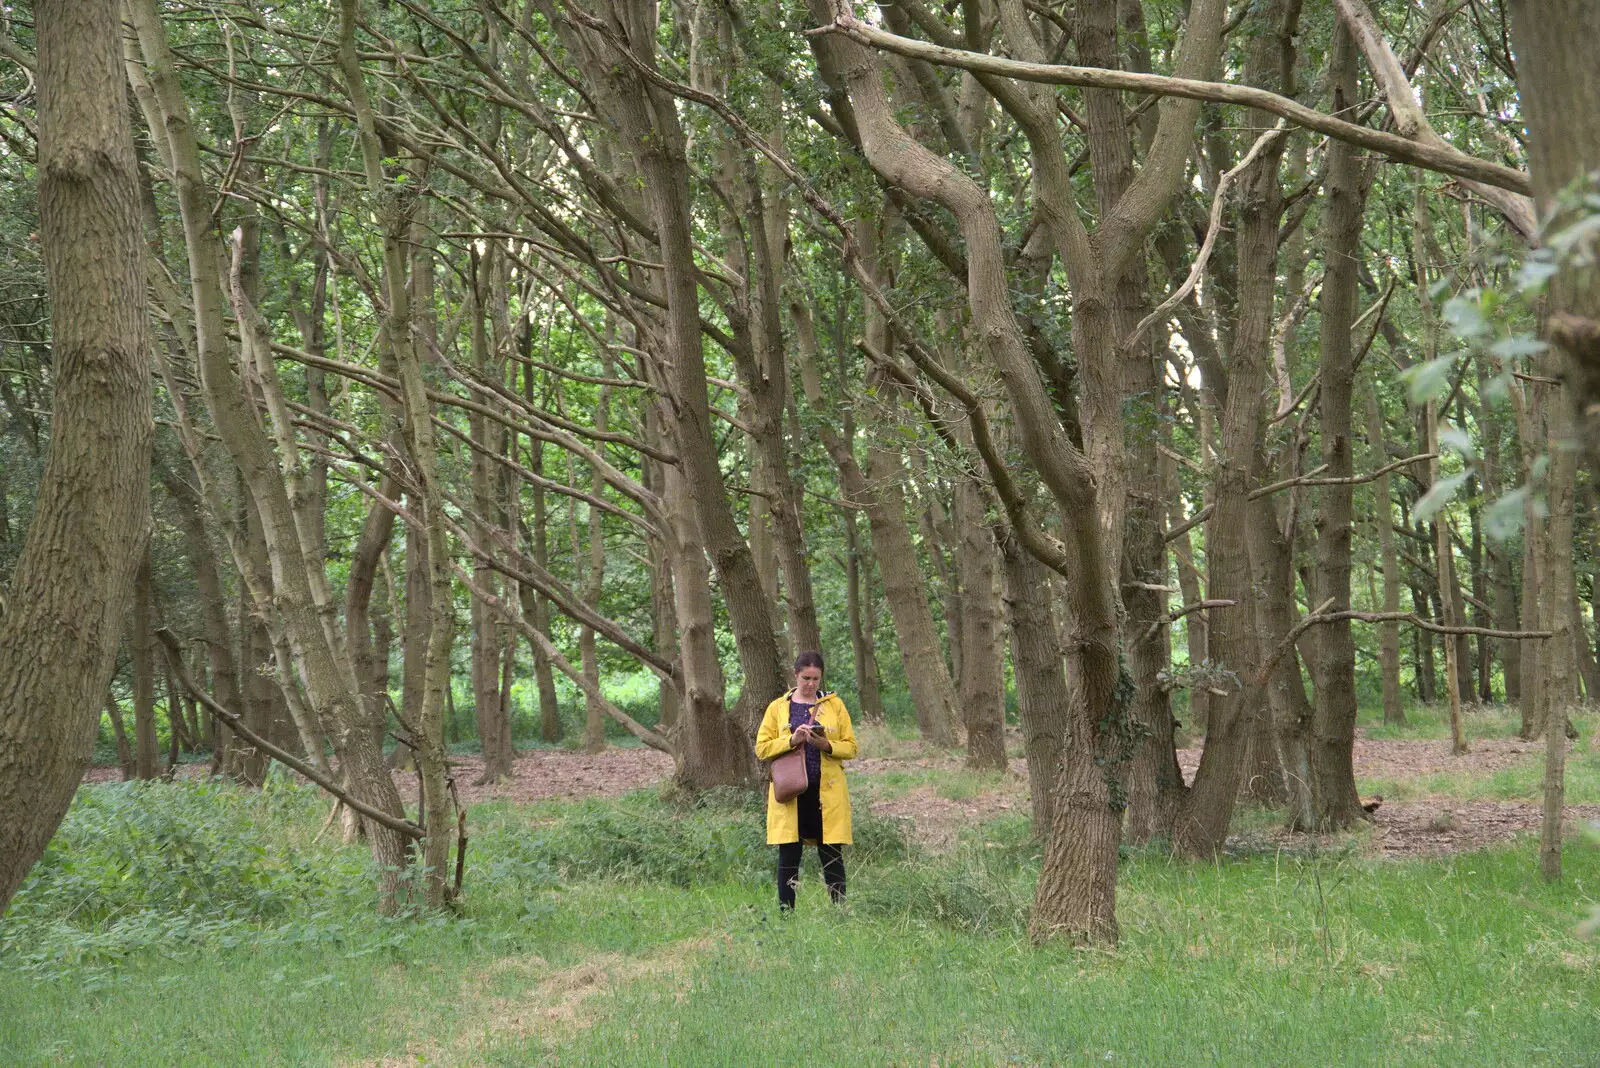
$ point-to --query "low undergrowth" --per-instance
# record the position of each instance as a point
(199, 923)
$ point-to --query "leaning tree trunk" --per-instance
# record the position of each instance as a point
(330, 677)
(646, 119)
(72, 586)
(904, 591)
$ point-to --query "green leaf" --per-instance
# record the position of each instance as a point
(1425, 380)
(1453, 437)
(1503, 519)
(1437, 497)
(1465, 316)
(1517, 346)
(1536, 272)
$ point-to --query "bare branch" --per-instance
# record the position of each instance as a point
(174, 651)
(1188, 609)
(1307, 479)
(1433, 157)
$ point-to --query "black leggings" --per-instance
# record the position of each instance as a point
(789, 854)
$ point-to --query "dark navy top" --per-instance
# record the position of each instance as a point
(798, 714)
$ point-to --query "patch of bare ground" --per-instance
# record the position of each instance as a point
(539, 775)
(1392, 759)
(546, 1004)
(556, 774)
(1435, 827)
(1418, 828)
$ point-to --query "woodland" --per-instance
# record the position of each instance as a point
(429, 430)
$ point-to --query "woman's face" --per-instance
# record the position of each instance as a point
(807, 680)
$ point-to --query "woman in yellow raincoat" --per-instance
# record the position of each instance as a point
(805, 716)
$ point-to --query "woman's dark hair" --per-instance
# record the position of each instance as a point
(808, 659)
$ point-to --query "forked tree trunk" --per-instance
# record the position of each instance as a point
(1237, 717)
(90, 522)
(1076, 895)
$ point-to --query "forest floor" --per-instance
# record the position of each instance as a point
(1433, 802)
(607, 923)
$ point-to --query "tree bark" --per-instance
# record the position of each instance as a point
(983, 661)
(1037, 657)
(1337, 804)
(142, 641)
(904, 592)
(1394, 710)
(73, 583)
(330, 676)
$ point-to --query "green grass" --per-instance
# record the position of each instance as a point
(1426, 722)
(960, 784)
(643, 932)
(1522, 782)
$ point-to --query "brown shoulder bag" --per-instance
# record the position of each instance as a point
(789, 778)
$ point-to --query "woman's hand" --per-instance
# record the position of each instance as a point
(817, 739)
(799, 736)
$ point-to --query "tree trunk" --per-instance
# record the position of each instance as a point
(903, 590)
(594, 725)
(90, 521)
(1076, 895)
(119, 731)
(535, 606)
(1042, 698)
(1337, 804)
(1234, 718)
(329, 675)
(1502, 585)
(142, 641)
(1394, 709)
(983, 675)
(858, 607)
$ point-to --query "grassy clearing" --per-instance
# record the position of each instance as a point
(1524, 782)
(1427, 722)
(640, 931)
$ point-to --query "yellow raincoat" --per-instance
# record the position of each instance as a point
(772, 740)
